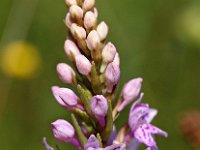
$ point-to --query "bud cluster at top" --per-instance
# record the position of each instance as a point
(94, 106)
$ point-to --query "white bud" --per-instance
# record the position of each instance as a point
(102, 29)
(83, 64)
(108, 53)
(117, 59)
(70, 2)
(77, 31)
(65, 72)
(89, 20)
(88, 4)
(93, 40)
(76, 12)
(71, 49)
(95, 12)
(68, 20)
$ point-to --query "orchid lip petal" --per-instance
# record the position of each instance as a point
(46, 145)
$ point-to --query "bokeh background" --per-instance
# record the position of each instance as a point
(158, 40)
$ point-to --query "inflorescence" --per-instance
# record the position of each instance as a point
(95, 107)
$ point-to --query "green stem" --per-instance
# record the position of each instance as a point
(79, 133)
(109, 123)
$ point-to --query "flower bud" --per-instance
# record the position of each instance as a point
(99, 108)
(65, 73)
(83, 64)
(68, 20)
(102, 30)
(71, 49)
(112, 75)
(76, 12)
(108, 53)
(130, 91)
(88, 4)
(117, 59)
(70, 2)
(93, 40)
(65, 132)
(95, 12)
(77, 31)
(67, 98)
(89, 20)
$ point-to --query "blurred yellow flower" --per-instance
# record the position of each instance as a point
(189, 24)
(20, 60)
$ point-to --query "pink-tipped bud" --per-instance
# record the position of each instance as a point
(77, 31)
(63, 131)
(65, 73)
(102, 29)
(76, 12)
(66, 98)
(68, 20)
(130, 91)
(88, 4)
(71, 49)
(83, 64)
(93, 40)
(89, 20)
(116, 59)
(99, 108)
(70, 2)
(108, 53)
(112, 76)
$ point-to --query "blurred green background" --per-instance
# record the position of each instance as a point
(158, 40)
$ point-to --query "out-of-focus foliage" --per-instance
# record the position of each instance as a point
(158, 40)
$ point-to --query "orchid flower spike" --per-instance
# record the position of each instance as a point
(94, 104)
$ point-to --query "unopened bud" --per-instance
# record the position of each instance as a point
(68, 20)
(83, 64)
(130, 91)
(76, 12)
(89, 20)
(116, 59)
(70, 2)
(88, 4)
(77, 31)
(93, 40)
(96, 12)
(71, 49)
(102, 29)
(66, 73)
(99, 108)
(66, 98)
(108, 53)
(65, 132)
(112, 75)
